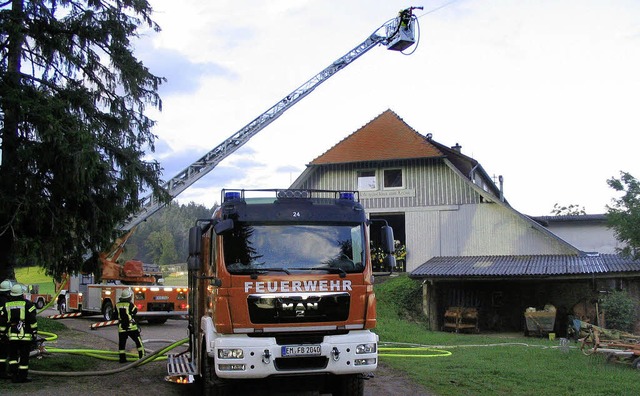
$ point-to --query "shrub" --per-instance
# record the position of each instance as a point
(619, 309)
(405, 294)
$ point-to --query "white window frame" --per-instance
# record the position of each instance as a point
(402, 183)
(375, 179)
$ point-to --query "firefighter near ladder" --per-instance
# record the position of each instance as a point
(19, 319)
(125, 312)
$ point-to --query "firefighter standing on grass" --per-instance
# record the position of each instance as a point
(22, 330)
(5, 288)
(127, 328)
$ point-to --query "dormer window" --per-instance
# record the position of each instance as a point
(367, 180)
(392, 178)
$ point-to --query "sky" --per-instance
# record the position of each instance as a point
(545, 93)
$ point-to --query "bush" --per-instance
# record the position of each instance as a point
(405, 294)
(619, 311)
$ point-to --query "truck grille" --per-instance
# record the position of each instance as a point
(285, 308)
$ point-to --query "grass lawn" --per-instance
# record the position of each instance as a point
(494, 364)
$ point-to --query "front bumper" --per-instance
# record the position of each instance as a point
(262, 356)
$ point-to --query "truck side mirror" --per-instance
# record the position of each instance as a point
(223, 226)
(389, 263)
(388, 243)
(195, 246)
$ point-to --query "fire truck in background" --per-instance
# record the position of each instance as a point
(155, 302)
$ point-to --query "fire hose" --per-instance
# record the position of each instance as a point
(106, 355)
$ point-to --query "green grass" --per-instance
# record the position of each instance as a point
(36, 276)
(486, 365)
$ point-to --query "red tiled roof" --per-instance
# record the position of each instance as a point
(386, 137)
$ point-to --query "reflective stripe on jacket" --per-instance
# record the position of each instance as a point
(22, 324)
(125, 312)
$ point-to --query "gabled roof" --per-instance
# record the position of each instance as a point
(478, 267)
(386, 137)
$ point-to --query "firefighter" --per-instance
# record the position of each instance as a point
(127, 327)
(5, 288)
(22, 330)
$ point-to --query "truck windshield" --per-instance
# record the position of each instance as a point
(254, 248)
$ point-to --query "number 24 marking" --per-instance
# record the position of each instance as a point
(295, 214)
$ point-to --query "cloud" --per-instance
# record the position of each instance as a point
(183, 76)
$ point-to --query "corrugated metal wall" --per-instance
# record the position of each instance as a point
(433, 182)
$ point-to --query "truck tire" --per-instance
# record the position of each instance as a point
(40, 303)
(107, 310)
(349, 385)
(210, 384)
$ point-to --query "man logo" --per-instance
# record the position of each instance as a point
(300, 308)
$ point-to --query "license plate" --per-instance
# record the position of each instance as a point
(301, 350)
(161, 297)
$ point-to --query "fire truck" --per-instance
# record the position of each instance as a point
(282, 285)
(155, 302)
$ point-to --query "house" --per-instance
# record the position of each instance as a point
(588, 232)
(464, 241)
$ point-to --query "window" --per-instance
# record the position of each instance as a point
(392, 178)
(367, 180)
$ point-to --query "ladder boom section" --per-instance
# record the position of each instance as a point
(198, 169)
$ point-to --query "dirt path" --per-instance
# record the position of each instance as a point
(149, 378)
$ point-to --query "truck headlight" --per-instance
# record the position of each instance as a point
(232, 353)
(366, 348)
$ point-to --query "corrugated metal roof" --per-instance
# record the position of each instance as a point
(523, 266)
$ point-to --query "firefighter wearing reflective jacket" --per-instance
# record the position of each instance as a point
(5, 288)
(22, 330)
(127, 327)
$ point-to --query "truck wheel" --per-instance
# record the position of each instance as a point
(349, 385)
(107, 310)
(210, 384)
(39, 303)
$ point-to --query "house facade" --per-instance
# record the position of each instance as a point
(449, 213)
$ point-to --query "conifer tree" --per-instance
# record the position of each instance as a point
(73, 128)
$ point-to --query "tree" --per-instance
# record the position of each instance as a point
(162, 248)
(623, 216)
(74, 133)
(571, 210)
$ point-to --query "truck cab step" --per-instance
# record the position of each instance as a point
(180, 365)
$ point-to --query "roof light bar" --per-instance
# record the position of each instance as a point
(231, 195)
(347, 195)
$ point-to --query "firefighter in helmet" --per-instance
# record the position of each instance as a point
(22, 330)
(5, 288)
(127, 327)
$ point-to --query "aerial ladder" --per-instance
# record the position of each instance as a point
(397, 34)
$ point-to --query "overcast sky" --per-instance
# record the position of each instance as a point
(545, 93)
